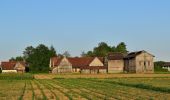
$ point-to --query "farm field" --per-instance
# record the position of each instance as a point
(60, 88)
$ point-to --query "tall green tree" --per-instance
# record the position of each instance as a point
(121, 47)
(38, 58)
(103, 49)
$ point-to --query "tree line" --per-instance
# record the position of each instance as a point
(38, 58)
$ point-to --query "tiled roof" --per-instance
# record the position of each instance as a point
(134, 54)
(56, 61)
(83, 61)
(8, 65)
(76, 62)
(115, 56)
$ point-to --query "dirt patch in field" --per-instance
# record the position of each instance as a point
(51, 76)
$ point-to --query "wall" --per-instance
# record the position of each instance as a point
(20, 67)
(144, 63)
(96, 62)
(130, 65)
(64, 67)
(115, 66)
(9, 71)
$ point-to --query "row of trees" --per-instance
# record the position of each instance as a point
(38, 58)
(103, 49)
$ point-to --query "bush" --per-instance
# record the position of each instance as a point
(13, 76)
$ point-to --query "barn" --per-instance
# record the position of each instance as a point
(139, 62)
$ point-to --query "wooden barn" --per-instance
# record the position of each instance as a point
(139, 62)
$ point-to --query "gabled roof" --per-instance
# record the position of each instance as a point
(115, 56)
(134, 54)
(10, 65)
(56, 60)
(76, 62)
(82, 61)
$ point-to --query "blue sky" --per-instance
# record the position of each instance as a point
(79, 25)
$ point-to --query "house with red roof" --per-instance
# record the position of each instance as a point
(77, 65)
(13, 67)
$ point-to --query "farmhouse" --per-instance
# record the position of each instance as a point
(77, 64)
(139, 62)
(13, 67)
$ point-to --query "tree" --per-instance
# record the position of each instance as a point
(19, 58)
(66, 54)
(38, 58)
(90, 54)
(121, 47)
(52, 51)
(28, 51)
(103, 49)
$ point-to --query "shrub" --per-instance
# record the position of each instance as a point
(13, 76)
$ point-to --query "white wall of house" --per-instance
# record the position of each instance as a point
(9, 71)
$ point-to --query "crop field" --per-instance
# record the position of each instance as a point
(85, 88)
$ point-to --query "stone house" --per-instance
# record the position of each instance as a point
(13, 67)
(139, 62)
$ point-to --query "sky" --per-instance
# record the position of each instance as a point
(79, 25)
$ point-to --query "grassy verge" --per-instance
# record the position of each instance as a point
(16, 76)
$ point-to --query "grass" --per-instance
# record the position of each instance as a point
(93, 88)
(16, 76)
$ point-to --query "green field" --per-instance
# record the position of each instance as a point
(84, 88)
